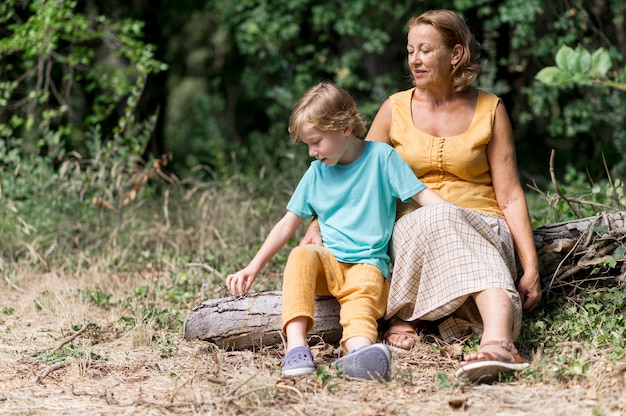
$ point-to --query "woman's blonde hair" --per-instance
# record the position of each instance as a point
(327, 108)
(454, 31)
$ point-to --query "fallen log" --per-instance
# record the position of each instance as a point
(254, 320)
(573, 255)
(582, 253)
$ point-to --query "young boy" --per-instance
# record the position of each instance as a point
(352, 188)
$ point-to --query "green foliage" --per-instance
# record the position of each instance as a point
(76, 81)
(588, 112)
(264, 55)
(568, 329)
(579, 66)
(66, 59)
(236, 68)
(259, 56)
(577, 196)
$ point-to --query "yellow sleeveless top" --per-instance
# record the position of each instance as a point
(456, 167)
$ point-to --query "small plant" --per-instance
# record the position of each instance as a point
(327, 378)
(98, 297)
(443, 381)
(166, 348)
(471, 344)
(71, 351)
(145, 306)
(567, 367)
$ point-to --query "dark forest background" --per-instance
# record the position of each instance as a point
(191, 87)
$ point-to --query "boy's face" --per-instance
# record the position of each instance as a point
(326, 146)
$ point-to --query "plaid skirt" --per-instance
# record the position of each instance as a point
(441, 255)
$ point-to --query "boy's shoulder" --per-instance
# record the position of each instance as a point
(380, 147)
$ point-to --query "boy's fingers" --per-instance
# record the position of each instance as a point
(231, 282)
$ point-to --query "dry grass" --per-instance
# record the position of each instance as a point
(63, 352)
(149, 369)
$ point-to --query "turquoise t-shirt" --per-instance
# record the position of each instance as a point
(356, 203)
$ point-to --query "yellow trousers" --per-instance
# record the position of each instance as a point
(360, 289)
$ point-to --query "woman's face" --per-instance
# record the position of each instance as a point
(429, 60)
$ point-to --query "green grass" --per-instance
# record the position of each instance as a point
(574, 332)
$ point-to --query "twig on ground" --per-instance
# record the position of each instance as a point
(13, 285)
(44, 373)
(169, 406)
(245, 393)
(209, 268)
(290, 388)
(73, 337)
(298, 410)
(238, 386)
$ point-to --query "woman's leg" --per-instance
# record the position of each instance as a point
(496, 310)
(497, 354)
(438, 271)
(401, 334)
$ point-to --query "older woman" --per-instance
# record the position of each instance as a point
(455, 263)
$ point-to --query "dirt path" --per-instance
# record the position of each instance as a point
(61, 354)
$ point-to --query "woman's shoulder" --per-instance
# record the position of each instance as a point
(486, 95)
(401, 94)
(487, 100)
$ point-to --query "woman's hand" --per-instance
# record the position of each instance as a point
(529, 289)
(312, 235)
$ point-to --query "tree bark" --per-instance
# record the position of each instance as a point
(579, 254)
(573, 255)
(254, 320)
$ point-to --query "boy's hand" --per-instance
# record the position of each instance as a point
(240, 282)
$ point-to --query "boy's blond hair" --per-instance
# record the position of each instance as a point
(327, 108)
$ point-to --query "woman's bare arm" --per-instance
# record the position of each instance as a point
(512, 202)
(379, 130)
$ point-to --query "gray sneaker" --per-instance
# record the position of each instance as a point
(298, 362)
(371, 362)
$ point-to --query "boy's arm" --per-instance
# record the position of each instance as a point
(427, 197)
(240, 282)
